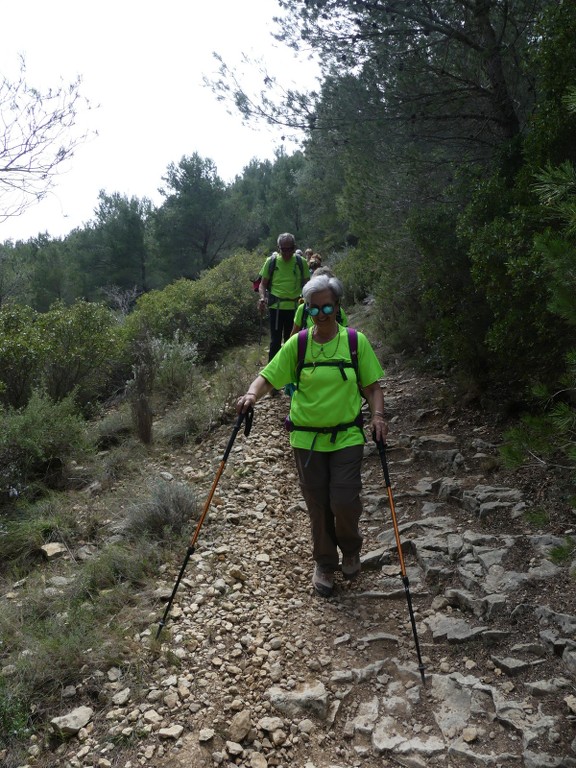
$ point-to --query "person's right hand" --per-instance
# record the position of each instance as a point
(245, 401)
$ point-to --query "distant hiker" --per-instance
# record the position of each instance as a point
(315, 262)
(326, 426)
(308, 253)
(302, 318)
(280, 287)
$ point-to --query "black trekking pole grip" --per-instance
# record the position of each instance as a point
(382, 453)
(248, 415)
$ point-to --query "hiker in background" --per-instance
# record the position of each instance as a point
(280, 287)
(326, 427)
(302, 318)
(308, 253)
(315, 262)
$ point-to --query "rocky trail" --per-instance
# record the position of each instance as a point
(256, 670)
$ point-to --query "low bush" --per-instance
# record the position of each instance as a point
(37, 441)
(165, 514)
(30, 526)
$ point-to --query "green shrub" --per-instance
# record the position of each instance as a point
(357, 271)
(21, 354)
(214, 312)
(37, 441)
(84, 345)
(112, 429)
(550, 433)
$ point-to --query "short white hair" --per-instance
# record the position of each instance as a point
(322, 283)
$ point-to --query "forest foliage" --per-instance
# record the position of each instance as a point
(436, 173)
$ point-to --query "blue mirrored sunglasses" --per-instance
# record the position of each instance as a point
(313, 310)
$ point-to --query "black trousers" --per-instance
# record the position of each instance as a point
(281, 323)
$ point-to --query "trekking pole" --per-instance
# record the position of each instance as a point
(405, 581)
(261, 316)
(249, 415)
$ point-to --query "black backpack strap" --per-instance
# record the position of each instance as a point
(301, 268)
(271, 271)
(353, 345)
(302, 344)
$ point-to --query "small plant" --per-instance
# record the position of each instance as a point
(32, 526)
(113, 429)
(13, 716)
(169, 510)
(563, 552)
(116, 567)
(537, 517)
(174, 363)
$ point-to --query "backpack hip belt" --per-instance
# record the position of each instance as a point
(333, 431)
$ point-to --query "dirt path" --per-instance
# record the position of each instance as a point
(279, 676)
(256, 670)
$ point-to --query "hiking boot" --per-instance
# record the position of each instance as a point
(350, 566)
(323, 580)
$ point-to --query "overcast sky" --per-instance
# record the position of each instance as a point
(142, 64)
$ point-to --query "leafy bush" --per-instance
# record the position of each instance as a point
(37, 441)
(214, 312)
(32, 525)
(357, 272)
(550, 433)
(21, 354)
(84, 345)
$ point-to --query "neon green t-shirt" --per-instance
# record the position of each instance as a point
(309, 320)
(286, 280)
(323, 397)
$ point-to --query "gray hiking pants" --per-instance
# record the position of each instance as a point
(331, 485)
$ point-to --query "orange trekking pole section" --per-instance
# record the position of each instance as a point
(404, 575)
(192, 545)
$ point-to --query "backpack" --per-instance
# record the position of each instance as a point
(341, 364)
(256, 283)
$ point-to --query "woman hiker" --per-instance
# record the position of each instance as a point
(301, 316)
(325, 423)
